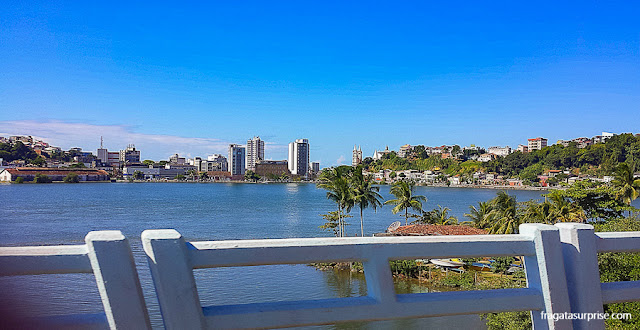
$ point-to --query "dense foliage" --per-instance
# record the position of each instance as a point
(18, 151)
(598, 159)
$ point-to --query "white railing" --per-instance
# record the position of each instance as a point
(580, 251)
(560, 263)
(107, 255)
(172, 261)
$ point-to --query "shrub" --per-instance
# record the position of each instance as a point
(71, 178)
(19, 180)
(41, 178)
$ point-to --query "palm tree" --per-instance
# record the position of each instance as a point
(441, 216)
(364, 194)
(628, 185)
(564, 210)
(403, 191)
(479, 216)
(505, 214)
(336, 182)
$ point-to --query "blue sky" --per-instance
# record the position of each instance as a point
(192, 78)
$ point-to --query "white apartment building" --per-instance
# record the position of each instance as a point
(537, 144)
(299, 157)
(236, 160)
(255, 152)
(405, 150)
(500, 151)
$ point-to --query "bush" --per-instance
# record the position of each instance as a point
(41, 178)
(19, 180)
(71, 178)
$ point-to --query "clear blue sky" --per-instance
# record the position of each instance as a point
(337, 73)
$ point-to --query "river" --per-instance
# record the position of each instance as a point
(48, 214)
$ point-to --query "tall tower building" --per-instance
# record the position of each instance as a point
(103, 154)
(255, 152)
(357, 156)
(299, 157)
(236, 159)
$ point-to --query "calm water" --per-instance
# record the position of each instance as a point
(63, 214)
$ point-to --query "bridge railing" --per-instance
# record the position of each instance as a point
(108, 256)
(172, 261)
(587, 294)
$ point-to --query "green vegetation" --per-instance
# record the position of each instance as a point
(333, 220)
(19, 180)
(365, 195)
(347, 187)
(439, 216)
(616, 267)
(138, 175)
(597, 160)
(71, 178)
(148, 162)
(41, 178)
(18, 151)
(405, 199)
(251, 176)
(78, 165)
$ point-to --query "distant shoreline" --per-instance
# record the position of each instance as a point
(528, 188)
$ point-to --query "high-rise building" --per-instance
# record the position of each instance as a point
(236, 160)
(255, 152)
(103, 154)
(537, 144)
(129, 155)
(299, 157)
(315, 168)
(356, 159)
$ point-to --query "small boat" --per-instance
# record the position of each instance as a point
(480, 266)
(447, 263)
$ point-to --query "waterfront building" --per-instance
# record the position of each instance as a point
(170, 171)
(129, 155)
(55, 174)
(236, 160)
(299, 157)
(500, 151)
(217, 162)
(405, 150)
(536, 144)
(356, 158)
(148, 171)
(255, 152)
(272, 167)
(315, 168)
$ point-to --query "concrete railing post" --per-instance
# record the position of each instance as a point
(377, 272)
(545, 272)
(583, 276)
(173, 279)
(117, 280)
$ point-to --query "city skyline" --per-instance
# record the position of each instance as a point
(208, 76)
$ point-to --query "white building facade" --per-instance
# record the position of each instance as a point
(255, 152)
(299, 157)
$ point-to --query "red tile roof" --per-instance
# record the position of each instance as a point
(55, 171)
(437, 230)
